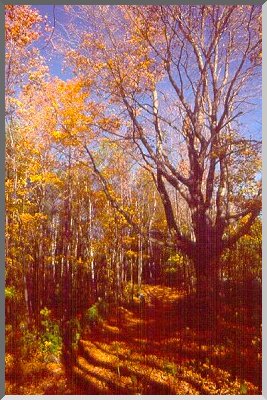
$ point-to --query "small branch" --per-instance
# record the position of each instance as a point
(53, 29)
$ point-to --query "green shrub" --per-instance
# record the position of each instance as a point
(30, 343)
(51, 341)
(170, 368)
(92, 315)
(243, 388)
(10, 293)
(95, 314)
(177, 270)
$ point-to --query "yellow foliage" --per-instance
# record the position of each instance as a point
(26, 218)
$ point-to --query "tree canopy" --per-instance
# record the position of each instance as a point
(133, 164)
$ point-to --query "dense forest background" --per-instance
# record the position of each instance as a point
(133, 200)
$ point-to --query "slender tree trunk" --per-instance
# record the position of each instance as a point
(140, 262)
(132, 281)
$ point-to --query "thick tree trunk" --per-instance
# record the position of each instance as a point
(207, 289)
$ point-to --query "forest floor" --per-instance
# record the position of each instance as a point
(156, 348)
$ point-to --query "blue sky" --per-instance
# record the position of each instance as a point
(252, 121)
(55, 61)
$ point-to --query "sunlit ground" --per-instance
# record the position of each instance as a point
(157, 348)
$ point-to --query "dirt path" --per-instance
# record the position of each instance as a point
(150, 349)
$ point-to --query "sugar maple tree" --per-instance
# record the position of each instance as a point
(179, 76)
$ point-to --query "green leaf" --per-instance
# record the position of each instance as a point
(243, 388)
